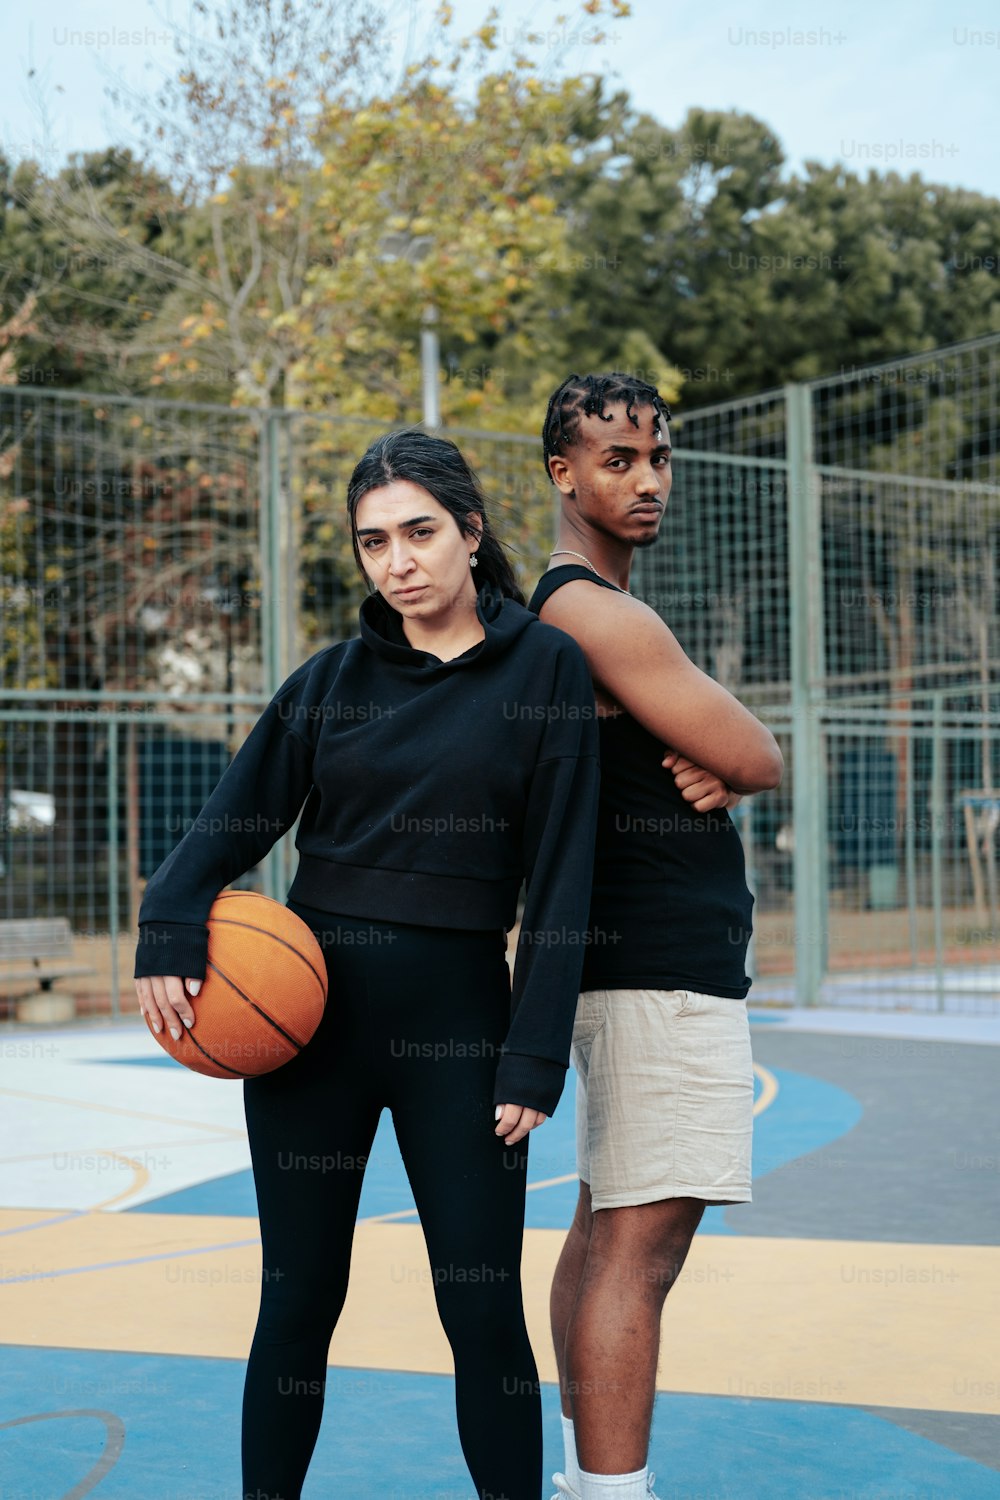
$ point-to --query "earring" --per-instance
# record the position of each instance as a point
(473, 560)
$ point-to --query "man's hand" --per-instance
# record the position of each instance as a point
(706, 791)
(515, 1120)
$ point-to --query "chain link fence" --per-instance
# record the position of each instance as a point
(829, 554)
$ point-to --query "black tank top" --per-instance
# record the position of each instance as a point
(670, 906)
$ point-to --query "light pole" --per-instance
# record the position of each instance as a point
(415, 248)
(430, 364)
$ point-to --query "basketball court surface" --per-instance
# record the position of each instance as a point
(838, 1339)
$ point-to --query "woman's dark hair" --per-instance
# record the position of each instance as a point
(587, 395)
(437, 465)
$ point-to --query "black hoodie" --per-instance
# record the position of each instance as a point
(431, 789)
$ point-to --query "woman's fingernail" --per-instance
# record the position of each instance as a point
(499, 1112)
(175, 1032)
(188, 1021)
(156, 1027)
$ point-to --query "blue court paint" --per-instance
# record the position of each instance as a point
(44, 1459)
(394, 1435)
(232, 1194)
(386, 1189)
(807, 1114)
(158, 1060)
(726, 1448)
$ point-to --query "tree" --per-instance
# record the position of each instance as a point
(265, 265)
(433, 204)
(213, 244)
(23, 606)
(743, 277)
(87, 305)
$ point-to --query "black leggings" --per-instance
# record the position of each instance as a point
(414, 1021)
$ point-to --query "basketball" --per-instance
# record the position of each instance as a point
(263, 994)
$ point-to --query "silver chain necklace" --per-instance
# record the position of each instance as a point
(567, 552)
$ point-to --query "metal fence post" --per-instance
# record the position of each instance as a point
(938, 814)
(114, 890)
(274, 604)
(272, 612)
(808, 771)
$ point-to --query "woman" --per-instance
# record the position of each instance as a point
(443, 755)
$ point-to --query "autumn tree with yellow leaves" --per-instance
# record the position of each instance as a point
(306, 214)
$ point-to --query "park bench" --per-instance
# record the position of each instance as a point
(38, 949)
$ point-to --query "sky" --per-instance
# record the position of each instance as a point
(889, 86)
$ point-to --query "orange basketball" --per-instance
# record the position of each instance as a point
(263, 994)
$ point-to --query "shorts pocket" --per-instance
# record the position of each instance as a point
(695, 1003)
(591, 1015)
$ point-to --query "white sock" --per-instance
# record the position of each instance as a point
(620, 1486)
(572, 1469)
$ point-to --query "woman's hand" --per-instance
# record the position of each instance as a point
(707, 791)
(163, 1001)
(515, 1120)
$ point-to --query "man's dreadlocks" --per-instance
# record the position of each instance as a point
(587, 395)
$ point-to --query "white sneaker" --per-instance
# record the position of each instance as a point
(563, 1487)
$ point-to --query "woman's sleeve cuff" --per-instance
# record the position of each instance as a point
(532, 1082)
(179, 948)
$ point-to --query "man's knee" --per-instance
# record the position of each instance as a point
(652, 1238)
(583, 1216)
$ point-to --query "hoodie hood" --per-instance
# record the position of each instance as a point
(503, 620)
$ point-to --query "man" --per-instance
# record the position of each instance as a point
(661, 1042)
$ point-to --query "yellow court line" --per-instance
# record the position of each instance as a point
(132, 1114)
(552, 1182)
(140, 1177)
(768, 1089)
(8, 1161)
(411, 1213)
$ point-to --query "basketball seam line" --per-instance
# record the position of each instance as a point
(228, 922)
(217, 1061)
(262, 1013)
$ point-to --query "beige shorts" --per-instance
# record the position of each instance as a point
(664, 1105)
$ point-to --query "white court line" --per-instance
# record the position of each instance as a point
(113, 1109)
(925, 1026)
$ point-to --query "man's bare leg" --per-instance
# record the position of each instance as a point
(607, 1338)
(566, 1286)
